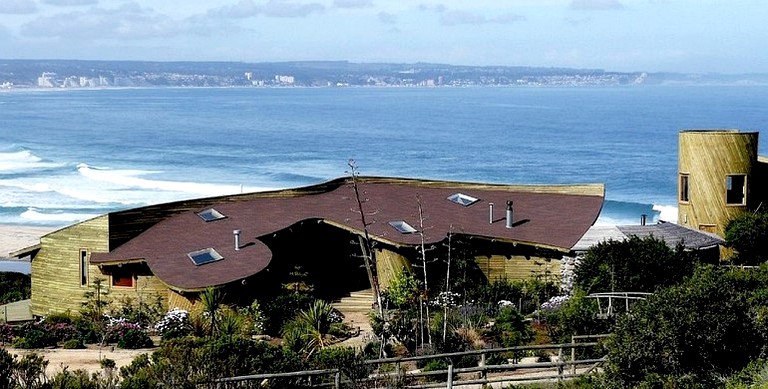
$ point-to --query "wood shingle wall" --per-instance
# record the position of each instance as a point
(518, 267)
(707, 158)
(56, 283)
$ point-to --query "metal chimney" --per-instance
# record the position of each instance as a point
(490, 213)
(237, 239)
(510, 219)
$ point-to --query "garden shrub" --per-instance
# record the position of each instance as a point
(699, 331)
(71, 344)
(77, 379)
(510, 329)
(6, 369)
(175, 324)
(138, 374)
(346, 359)
(280, 309)
(134, 339)
(33, 335)
(633, 265)
(576, 316)
(6, 333)
(747, 233)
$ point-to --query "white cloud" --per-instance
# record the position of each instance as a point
(129, 21)
(271, 8)
(453, 18)
(17, 7)
(353, 3)
(70, 2)
(596, 5)
(387, 18)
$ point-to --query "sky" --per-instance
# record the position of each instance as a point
(692, 36)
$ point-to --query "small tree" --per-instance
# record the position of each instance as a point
(748, 235)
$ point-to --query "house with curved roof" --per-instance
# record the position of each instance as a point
(246, 243)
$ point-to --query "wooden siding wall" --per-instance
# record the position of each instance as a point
(56, 285)
(145, 288)
(176, 300)
(518, 267)
(708, 157)
(389, 265)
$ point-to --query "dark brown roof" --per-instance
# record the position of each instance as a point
(548, 216)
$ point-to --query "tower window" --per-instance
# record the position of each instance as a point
(736, 189)
(83, 268)
(684, 188)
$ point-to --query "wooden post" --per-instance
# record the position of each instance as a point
(449, 381)
(573, 355)
(560, 364)
(337, 379)
(483, 373)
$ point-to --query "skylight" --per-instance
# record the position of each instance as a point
(402, 227)
(210, 215)
(463, 199)
(201, 257)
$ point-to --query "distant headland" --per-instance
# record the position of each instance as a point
(28, 74)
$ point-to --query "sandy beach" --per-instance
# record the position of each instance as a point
(13, 237)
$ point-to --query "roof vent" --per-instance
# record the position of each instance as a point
(490, 213)
(510, 218)
(237, 239)
(210, 215)
(463, 199)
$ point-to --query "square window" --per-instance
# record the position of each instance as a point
(122, 277)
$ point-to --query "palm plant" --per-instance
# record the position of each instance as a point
(212, 299)
(308, 331)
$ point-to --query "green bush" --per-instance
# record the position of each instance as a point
(699, 331)
(577, 316)
(747, 233)
(346, 359)
(510, 329)
(134, 338)
(72, 344)
(77, 379)
(6, 369)
(33, 335)
(633, 265)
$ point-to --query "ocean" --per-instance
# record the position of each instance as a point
(68, 155)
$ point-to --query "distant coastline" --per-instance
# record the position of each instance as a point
(74, 74)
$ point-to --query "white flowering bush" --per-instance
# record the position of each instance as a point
(554, 303)
(505, 303)
(446, 299)
(174, 324)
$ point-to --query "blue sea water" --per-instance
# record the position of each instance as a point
(67, 155)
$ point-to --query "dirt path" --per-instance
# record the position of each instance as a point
(86, 359)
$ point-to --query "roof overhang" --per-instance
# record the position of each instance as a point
(29, 251)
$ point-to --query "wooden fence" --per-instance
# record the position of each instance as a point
(388, 372)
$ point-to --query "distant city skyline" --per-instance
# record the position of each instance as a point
(695, 36)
